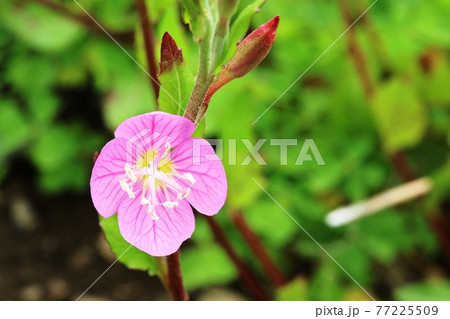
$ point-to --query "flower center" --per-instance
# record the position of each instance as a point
(153, 172)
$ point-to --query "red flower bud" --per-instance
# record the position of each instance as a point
(249, 54)
(252, 50)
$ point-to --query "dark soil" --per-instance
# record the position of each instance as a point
(52, 248)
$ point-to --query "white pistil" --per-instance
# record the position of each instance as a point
(184, 194)
(151, 183)
(123, 183)
(129, 171)
(166, 151)
(151, 176)
(152, 212)
(169, 182)
(169, 204)
(189, 177)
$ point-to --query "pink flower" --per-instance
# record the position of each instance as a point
(150, 173)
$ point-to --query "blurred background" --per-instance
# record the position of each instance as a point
(377, 105)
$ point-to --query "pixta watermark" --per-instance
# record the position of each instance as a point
(142, 149)
(243, 151)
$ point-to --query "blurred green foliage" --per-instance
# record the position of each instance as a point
(425, 291)
(132, 257)
(406, 45)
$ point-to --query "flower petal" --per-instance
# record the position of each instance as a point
(109, 167)
(159, 237)
(197, 157)
(155, 127)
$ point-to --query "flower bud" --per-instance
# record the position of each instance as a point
(249, 54)
(252, 50)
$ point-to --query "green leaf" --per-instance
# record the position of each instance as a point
(434, 81)
(354, 260)
(242, 191)
(205, 266)
(202, 233)
(200, 129)
(126, 85)
(39, 27)
(129, 97)
(111, 13)
(14, 129)
(129, 255)
(400, 115)
(194, 14)
(240, 27)
(296, 290)
(43, 105)
(158, 8)
(424, 291)
(326, 284)
(176, 79)
(385, 235)
(263, 214)
(63, 154)
(22, 69)
(441, 189)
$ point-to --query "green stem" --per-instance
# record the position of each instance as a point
(219, 41)
(204, 77)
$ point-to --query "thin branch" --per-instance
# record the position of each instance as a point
(402, 167)
(376, 43)
(356, 52)
(149, 42)
(389, 198)
(398, 159)
(244, 272)
(440, 229)
(258, 249)
(174, 278)
(124, 37)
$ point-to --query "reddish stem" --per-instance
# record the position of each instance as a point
(95, 156)
(439, 226)
(402, 167)
(376, 43)
(213, 88)
(149, 42)
(244, 272)
(356, 52)
(398, 159)
(271, 269)
(174, 278)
